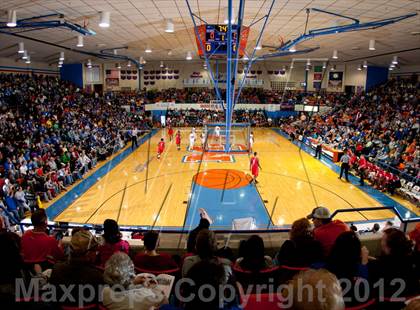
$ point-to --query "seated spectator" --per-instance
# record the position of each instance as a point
(209, 275)
(326, 230)
(315, 290)
(126, 291)
(205, 222)
(348, 261)
(113, 242)
(79, 269)
(13, 270)
(37, 246)
(151, 259)
(396, 262)
(253, 258)
(301, 250)
(206, 248)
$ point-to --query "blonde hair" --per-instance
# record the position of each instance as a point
(119, 270)
(315, 290)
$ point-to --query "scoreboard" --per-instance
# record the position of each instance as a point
(215, 37)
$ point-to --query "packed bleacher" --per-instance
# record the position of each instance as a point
(51, 135)
(71, 269)
(380, 129)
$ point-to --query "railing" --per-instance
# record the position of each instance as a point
(272, 229)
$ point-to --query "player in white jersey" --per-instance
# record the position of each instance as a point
(251, 141)
(217, 133)
(192, 140)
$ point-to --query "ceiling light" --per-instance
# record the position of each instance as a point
(245, 57)
(333, 68)
(359, 67)
(390, 68)
(25, 54)
(335, 54)
(61, 56)
(79, 41)
(59, 65)
(258, 47)
(324, 65)
(148, 49)
(118, 66)
(395, 60)
(292, 49)
(291, 66)
(142, 60)
(169, 52)
(21, 49)
(60, 62)
(28, 60)
(372, 45)
(392, 65)
(105, 20)
(129, 64)
(115, 52)
(308, 62)
(284, 68)
(89, 63)
(169, 26)
(11, 18)
(189, 56)
(227, 16)
(161, 64)
(365, 65)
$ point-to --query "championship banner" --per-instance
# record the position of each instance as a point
(335, 81)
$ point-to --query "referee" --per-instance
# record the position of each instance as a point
(345, 158)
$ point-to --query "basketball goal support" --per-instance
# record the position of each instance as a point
(232, 57)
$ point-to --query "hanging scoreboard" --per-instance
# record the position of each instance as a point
(215, 37)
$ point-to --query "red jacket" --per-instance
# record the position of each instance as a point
(328, 233)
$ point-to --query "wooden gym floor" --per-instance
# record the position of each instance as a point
(291, 184)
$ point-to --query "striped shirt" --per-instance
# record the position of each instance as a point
(345, 159)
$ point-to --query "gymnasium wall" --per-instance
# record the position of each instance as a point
(269, 75)
(10, 65)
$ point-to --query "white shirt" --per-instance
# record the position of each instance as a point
(217, 130)
(192, 137)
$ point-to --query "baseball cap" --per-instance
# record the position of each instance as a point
(83, 241)
(319, 213)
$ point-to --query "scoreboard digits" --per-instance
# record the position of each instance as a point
(214, 38)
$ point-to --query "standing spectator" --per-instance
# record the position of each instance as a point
(113, 241)
(205, 223)
(37, 246)
(326, 230)
(151, 259)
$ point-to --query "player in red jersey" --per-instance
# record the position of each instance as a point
(170, 132)
(178, 140)
(255, 167)
(161, 148)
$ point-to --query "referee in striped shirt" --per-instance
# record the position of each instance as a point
(345, 159)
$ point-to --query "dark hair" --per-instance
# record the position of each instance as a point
(345, 255)
(376, 227)
(206, 273)
(39, 217)
(10, 260)
(205, 244)
(204, 223)
(150, 240)
(397, 242)
(111, 231)
(253, 258)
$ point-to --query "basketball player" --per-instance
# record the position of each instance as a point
(251, 141)
(178, 140)
(255, 167)
(203, 139)
(217, 133)
(170, 132)
(161, 148)
(192, 140)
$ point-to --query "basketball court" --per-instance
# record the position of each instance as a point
(291, 183)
